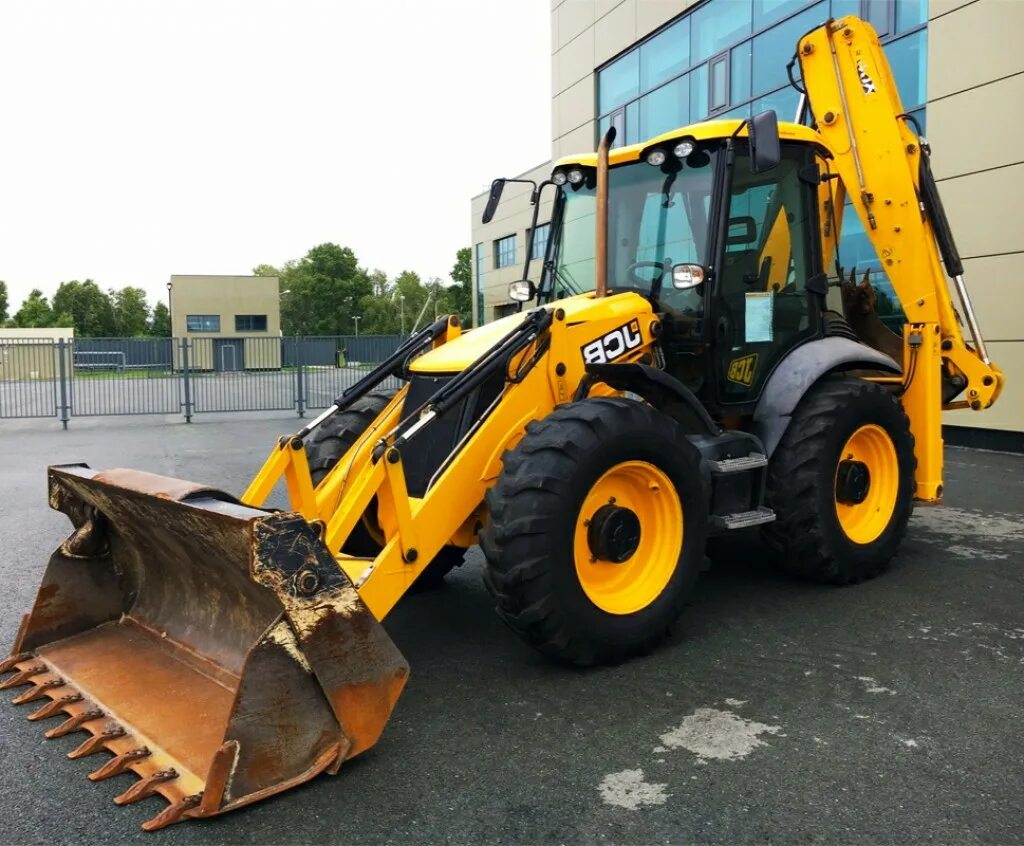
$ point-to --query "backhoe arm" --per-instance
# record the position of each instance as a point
(884, 168)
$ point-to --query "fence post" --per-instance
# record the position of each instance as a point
(300, 375)
(185, 380)
(63, 369)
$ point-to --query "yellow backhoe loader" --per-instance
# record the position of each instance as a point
(679, 374)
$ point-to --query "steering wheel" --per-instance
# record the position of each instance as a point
(640, 281)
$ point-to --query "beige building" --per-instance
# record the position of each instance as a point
(33, 353)
(647, 66)
(231, 322)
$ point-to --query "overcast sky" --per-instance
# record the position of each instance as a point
(142, 138)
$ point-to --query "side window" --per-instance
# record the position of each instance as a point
(763, 308)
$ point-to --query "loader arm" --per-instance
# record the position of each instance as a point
(883, 166)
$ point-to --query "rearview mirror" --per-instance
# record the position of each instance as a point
(687, 276)
(522, 291)
(492, 201)
(765, 149)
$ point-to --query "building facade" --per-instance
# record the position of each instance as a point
(231, 322)
(647, 66)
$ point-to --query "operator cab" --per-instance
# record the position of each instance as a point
(724, 247)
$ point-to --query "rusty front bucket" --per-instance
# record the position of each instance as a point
(216, 651)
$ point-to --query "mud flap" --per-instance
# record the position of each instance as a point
(217, 651)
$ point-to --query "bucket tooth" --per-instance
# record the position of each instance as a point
(117, 765)
(97, 742)
(145, 787)
(37, 692)
(22, 676)
(55, 706)
(74, 723)
(12, 661)
(174, 813)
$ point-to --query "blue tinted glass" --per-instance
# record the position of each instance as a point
(768, 11)
(619, 82)
(910, 13)
(719, 95)
(665, 108)
(739, 75)
(602, 128)
(773, 49)
(784, 101)
(878, 15)
(666, 55)
(842, 8)
(716, 25)
(698, 93)
(908, 57)
(633, 122)
(857, 256)
(540, 240)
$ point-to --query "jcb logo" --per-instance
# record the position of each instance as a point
(613, 345)
(741, 370)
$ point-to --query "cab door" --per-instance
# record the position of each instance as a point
(762, 304)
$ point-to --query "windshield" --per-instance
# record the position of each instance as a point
(657, 217)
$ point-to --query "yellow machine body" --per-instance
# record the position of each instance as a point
(223, 652)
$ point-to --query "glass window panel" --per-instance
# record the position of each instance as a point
(698, 93)
(910, 13)
(878, 15)
(739, 73)
(716, 25)
(602, 128)
(618, 119)
(784, 101)
(768, 11)
(772, 50)
(202, 322)
(619, 82)
(666, 55)
(719, 70)
(540, 240)
(633, 123)
(842, 8)
(505, 251)
(908, 56)
(664, 108)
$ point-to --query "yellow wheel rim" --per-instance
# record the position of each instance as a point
(864, 521)
(636, 582)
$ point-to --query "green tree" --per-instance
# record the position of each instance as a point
(325, 289)
(4, 302)
(459, 297)
(35, 312)
(90, 309)
(160, 322)
(131, 312)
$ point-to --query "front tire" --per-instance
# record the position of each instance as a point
(841, 483)
(336, 435)
(597, 530)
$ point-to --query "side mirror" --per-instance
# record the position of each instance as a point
(765, 149)
(687, 276)
(492, 201)
(522, 291)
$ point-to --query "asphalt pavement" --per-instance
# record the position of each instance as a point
(779, 712)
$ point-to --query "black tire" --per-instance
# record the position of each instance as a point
(534, 509)
(329, 443)
(807, 537)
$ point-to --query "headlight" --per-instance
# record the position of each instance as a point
(684, 148)
(656, 158)
(575, 176)
(558, 177)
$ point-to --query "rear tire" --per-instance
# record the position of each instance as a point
(335, 436)
(821, 532)
(544, 535)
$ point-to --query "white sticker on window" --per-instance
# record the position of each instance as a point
(758, 317)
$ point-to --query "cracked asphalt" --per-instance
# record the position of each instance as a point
(779, 712)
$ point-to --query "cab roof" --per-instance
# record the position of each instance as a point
(703, 131)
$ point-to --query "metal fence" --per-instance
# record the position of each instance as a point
(40, 377)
